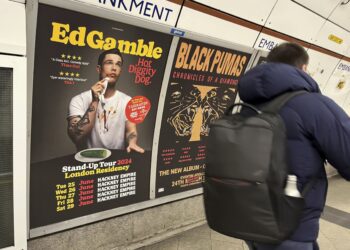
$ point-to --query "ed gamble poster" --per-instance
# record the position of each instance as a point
(95, 95)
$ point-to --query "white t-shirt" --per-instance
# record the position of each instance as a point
(109, 129)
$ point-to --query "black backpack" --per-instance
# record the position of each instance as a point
(246, 172)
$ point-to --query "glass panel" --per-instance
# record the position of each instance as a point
(6, 154)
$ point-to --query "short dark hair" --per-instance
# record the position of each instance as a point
(289, 53)
(102, 56)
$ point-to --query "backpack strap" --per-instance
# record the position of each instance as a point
(277, 103)
(274, 106)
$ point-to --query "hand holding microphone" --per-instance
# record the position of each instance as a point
(98, 90)
(101, 96)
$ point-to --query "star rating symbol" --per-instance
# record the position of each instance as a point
(63, 56)
(79, 58)
(67, 74)
(69, 56)
(61, 73)
(71, 74)
(74, 57)
(77, 74)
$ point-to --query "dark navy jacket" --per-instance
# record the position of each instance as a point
(317, 130)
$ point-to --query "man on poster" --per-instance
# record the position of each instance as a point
(97, 117)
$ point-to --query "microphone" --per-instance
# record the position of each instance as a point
(101, 96)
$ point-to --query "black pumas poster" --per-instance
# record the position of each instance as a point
(201, 87)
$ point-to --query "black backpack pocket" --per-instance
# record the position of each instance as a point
(240, 209)
(289, 214)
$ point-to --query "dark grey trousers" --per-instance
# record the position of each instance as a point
(285, 245)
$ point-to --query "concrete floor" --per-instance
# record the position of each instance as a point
(334, 234)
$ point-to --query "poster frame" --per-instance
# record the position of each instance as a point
(19, 113)
(260, 53)
(32, 11)
(198, 37)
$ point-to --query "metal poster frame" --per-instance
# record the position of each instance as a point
(260, 54)
(18, 64)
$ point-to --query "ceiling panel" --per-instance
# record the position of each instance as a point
(333, 37)
(13, 28)
(216, 27)
(341, 15)
(292, 19)
(324, 9)
(251, 10)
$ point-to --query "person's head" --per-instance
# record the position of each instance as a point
(110, 65)
(289, 53)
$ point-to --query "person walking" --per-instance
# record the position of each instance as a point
(318, 130)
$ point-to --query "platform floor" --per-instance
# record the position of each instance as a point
(334, 227)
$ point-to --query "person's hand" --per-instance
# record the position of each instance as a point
(97, 89)
(134, 147)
